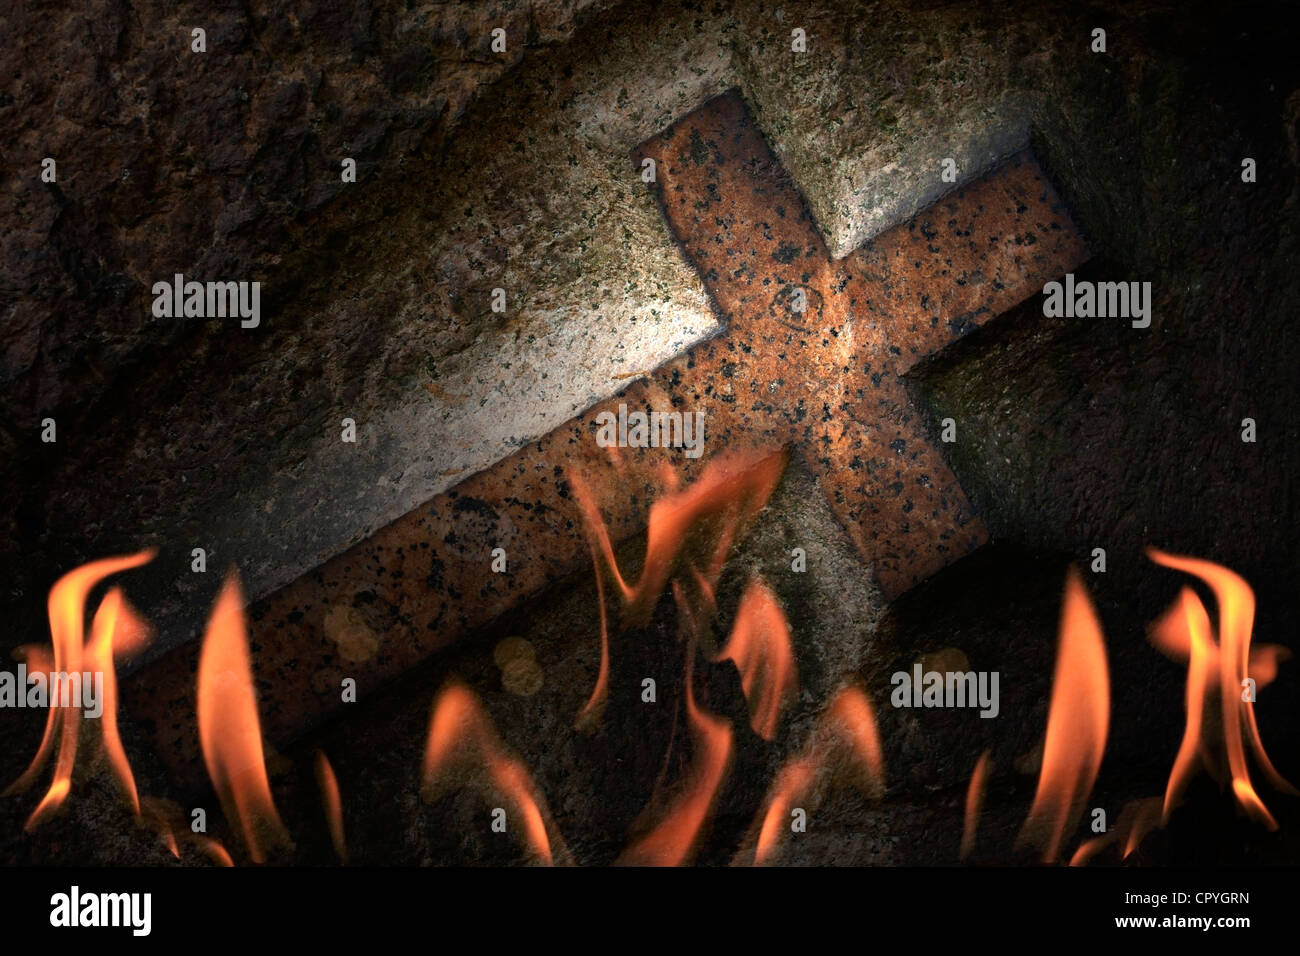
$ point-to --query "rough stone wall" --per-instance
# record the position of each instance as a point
(886, 93)
(1092, 434)
(227, 165)
(1073, 433)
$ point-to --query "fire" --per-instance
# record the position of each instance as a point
(1136, 820)
(1223, 672)
(1077, 723)
(163, 816)
(979, 781)
(732, 489)
(1224, 669)
(167, 820)
(795, 780)
(463, 743)
(760, 648)
(229, 731)
(590, 714)
(844, 745)
(852, 722)
(673, 840)
(332, 803)
(113, 622)
(115, 626)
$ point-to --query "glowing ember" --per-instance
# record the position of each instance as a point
(1077, 723)
(73, 663)
(463, 746)
(1229, 669)
(229, 730)
(760, 648)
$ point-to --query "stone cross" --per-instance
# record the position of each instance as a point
(812, 357)
(816, 349)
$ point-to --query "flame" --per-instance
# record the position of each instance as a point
(844, 744)
(979, 780)
(168, 821)
(1136, 820)
(332, 803)
(1185, 633)
(590, 714)
(795, 779)
(731, 490)
(734, 486)
(1077, 723)
(852, 722)
(163, 817)
(214, 850)
(1187, 625)
(229, 731)
(673, 840)
(112, 621)
(461, 736)
(67, 614)
(760, 648)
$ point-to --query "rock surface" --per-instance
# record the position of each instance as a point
(478, 170)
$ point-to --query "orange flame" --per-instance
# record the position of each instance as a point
(114, 624)
(229, 732)
(672, 841)
(332, 803)
(214, 850)
(167, 820)
(1136, 820)
(795, 779)
(732, 489)
(853, 722)
(162, 816)
(846, 744)
(590, 714)
(1077, 723)
(760, 648)
(462, 736)
(745, 477)
(67, 615)
(1188, 625)
(979, 781)
(1185, 633)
